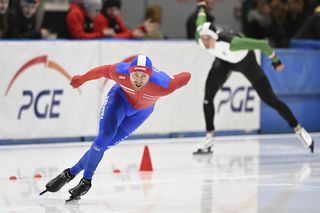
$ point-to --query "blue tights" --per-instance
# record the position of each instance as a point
(117, 121)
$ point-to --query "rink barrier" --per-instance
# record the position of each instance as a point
(37, 101)
(298, 86)
(132, 137)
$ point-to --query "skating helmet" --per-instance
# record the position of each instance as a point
(141, 63)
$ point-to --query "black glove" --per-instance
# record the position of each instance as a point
(276, 63)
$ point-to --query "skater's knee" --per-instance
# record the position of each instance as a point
(99, 146)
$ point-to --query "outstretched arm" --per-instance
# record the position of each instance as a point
(238, 43)
(179, 80)
(201, 18)
(95, 73)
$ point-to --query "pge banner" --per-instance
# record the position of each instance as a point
(36, 100)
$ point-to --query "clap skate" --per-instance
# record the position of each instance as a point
(58, 182)
(81, 189)
(306, 139)
(205, 147)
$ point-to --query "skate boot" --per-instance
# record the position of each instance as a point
(205, 147)
(306, 139)
(81, 189)
(58, 182)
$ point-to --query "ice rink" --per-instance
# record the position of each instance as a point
(268, 173)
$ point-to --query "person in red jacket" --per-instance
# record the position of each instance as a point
(128, 104)
(80, 19)
(110, 22)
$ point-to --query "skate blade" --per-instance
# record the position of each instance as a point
(311, 147)
(41, 193)
(202, 153)
(73, 199)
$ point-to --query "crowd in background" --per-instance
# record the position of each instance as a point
(276, 20)
(281, 20)
(85, 19)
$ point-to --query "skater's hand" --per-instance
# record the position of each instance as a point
(278, 65)
(76, 81)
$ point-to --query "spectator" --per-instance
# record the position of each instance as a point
(246, 7)
(278, 36)
(191, 26)
(4, 4)
(152, 22)
(22, 21)
(110, 23)
(80, 19)
(311, 28)
(295, 17)
(259, 20)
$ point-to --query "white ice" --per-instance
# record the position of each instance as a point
(270, 173)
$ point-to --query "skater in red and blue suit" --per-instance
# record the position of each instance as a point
(128, 104)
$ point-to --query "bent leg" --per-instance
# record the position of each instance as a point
(130, 124)
(267, 95)
(112, 114)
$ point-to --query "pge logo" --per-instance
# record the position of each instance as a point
(33, 99)
(239, 98)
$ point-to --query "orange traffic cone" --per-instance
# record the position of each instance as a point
(146, 164)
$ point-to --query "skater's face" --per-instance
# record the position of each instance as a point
(208, 41)
(139, 79)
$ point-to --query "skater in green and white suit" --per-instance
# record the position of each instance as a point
(234, 52)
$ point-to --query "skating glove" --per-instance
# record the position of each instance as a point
(277, 64)
(76, 81)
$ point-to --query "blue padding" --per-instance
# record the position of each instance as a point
(305, 108)
(298, 86)
(305, 44)
(301, 75)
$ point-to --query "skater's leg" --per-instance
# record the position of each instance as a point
(124, 129)
(112, 114)
(129, 123)
(216, 78)
(81, 164)
(267, 95)
(254, 73)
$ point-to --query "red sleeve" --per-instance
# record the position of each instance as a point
(179, 80)
(75, 26)
(98, 72)
(125, 32)
(100, 23)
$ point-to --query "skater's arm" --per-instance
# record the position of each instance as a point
(238, 43)
(95, 73)
(179, 80)
(201, 19)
